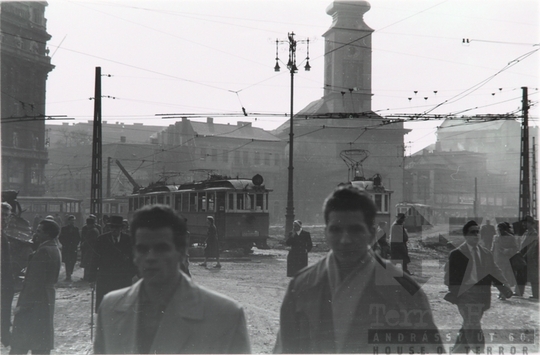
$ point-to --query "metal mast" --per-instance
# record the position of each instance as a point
(524, 181)
(96, 183)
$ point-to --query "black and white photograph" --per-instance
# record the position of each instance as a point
(269, 176)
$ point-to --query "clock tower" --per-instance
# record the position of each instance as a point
(347, 70)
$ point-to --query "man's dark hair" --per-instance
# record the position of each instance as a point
(467, 226)
(50, 227)
(160, 216)
(348, 198)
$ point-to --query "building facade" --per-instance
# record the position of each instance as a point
(25, 66)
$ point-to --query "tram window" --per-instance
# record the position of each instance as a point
(386, 203)
(106, 208)
(54, 207)
(231, 202)
(147, 200)
(211, 201)
(220, 201)
(239, 201)
(160, 199)
(39, 207)
(185, 202)
(250, 202)
(114, 209)
(168, 200)
(378, 202)
(178, 202)
(153, 200)
(266, 199)
(201, 199)
(193, 202)
(259, 203)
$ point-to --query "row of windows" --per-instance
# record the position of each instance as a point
(240, 157)
(205, 201)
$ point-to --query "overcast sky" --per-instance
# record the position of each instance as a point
(215, 57)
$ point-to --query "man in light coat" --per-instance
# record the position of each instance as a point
(165, 311)
(352, 300)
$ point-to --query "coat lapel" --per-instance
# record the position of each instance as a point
(176, 328)
(126, 307)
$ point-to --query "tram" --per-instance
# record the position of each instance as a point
(239, 207)
(419, 216)
(378, 193)
(34, 209)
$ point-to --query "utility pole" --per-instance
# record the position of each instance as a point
(534, 197)
(109, 159)
(291, 65)
(524, 182)
(96, 182)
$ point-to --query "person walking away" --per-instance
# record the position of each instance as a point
(70, 239)
(300, 242)
(469, 274)
(7, 281)
(165, 312)
(113, 263)
(398, 243)
(382, 240)
(89, 236)
(338, 304)
(33, 324)
(487, 232)
(212, 244)
(503, 248)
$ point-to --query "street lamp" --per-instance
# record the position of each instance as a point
(291, 65)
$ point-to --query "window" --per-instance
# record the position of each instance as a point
(266, 158)
(178, 202)
(239, 201)
(277, 159)
(257, 158)
(185, 202)
(214, 154)
(230, 205)
(54, 207)
(225, 156)
(237, 157)
(259, 203)
(245, 157)
(193, 202)
(203, 153)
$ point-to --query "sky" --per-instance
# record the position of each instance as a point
(213, 57)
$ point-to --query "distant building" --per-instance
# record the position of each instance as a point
(443, 175)
(25, 65)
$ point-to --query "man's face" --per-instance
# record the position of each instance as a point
(115, 230)
(71, 222)
(400, 220)
(349, 236)
(296, 227)
(39, 235)
(472, 237)
(156, 256)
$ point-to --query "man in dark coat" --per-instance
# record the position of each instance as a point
(8, 283)
(33, 327)
(341, 303)
(89, 236)
(469, 275)
(300, 242)
(398, 243)
(113, 264)
(69, 238)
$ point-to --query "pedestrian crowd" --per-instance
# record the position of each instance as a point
(359, 294)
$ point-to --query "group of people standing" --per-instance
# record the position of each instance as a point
(340, 304)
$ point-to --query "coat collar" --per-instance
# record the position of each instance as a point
(185, 306)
